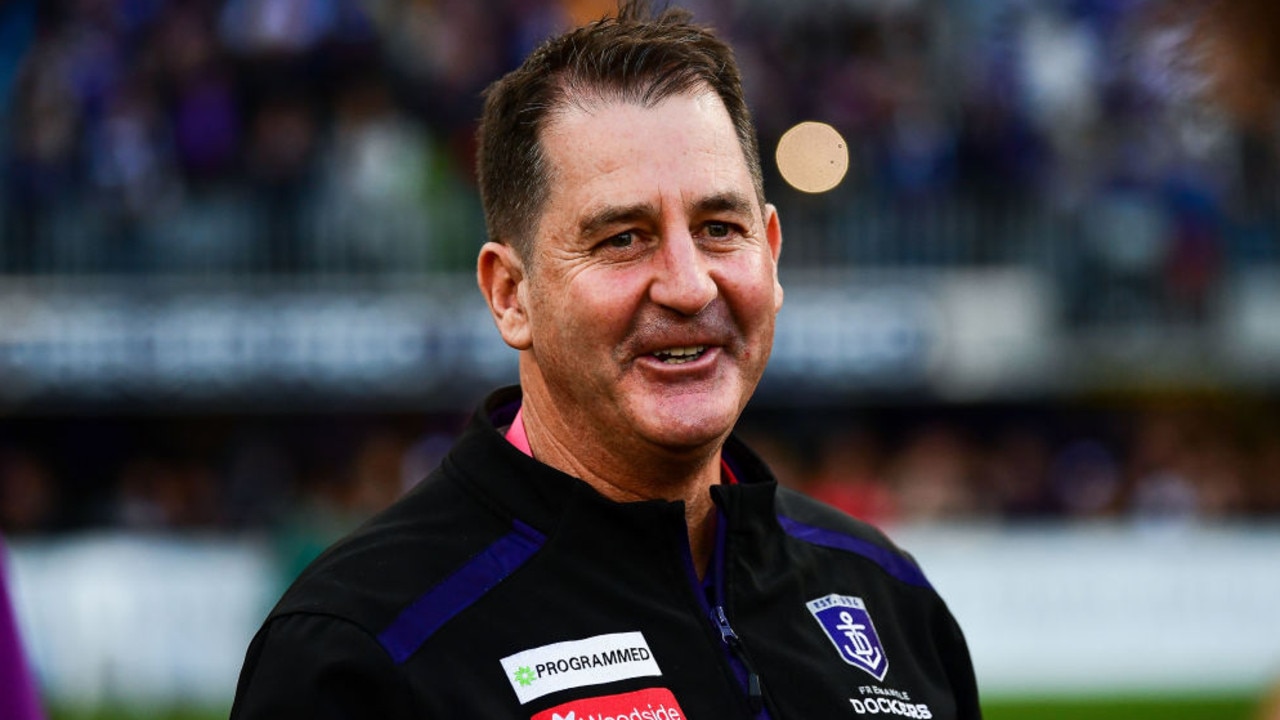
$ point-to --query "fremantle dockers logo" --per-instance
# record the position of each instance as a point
(848, 625)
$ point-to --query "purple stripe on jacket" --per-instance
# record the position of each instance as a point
(18, 698)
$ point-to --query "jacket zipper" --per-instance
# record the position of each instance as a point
(755, 696)
(736, 653)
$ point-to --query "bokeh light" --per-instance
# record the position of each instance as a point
(812, 157)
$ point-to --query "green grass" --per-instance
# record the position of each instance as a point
(135, 713)
(1234, 708)
(1231, 708)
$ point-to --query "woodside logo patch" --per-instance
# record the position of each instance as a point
(650, 704)
(579, 663)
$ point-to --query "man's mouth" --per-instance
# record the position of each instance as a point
(680, 355)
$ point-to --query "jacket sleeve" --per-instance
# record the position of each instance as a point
(317, 666)
(959, 664)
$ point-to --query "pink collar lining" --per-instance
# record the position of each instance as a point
(516, 434)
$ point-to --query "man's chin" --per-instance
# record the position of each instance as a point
(685, 423)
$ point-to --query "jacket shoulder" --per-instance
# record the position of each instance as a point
(817, 523)
(369, 577)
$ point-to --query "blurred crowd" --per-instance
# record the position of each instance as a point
(301, 135)
(1196, 463)
(311, 479)
(305, 136)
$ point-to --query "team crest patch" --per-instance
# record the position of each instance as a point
(650, 704)
(848, 625)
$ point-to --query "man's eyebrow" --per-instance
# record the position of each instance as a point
(726, 202)
(593, 222)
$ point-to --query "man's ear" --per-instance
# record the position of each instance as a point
(773, 234)
(500, 274)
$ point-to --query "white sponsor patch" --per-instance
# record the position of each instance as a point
(579, 663)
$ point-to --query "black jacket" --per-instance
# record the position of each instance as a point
(503, 588)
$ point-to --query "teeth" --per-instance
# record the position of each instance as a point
(675, 356)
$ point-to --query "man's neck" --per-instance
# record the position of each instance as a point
(658, 475)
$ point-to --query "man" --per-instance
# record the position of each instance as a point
(596, 545)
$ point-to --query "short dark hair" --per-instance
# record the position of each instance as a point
(633, 58)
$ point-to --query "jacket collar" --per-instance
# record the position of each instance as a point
(517, 485)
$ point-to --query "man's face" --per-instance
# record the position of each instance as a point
(652, 287)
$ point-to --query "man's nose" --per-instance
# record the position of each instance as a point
(682, 279)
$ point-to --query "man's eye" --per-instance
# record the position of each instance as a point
(718, 229)
(621, 240)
